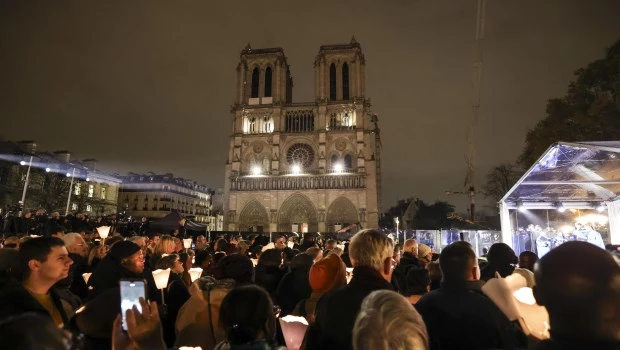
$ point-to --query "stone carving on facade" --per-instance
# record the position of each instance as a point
(341, 144)
(253, 215)
(232, 216)
(341, 211)
(257, 146)
(321, 214)
(274, 216)
(295, 210)
(362, 213)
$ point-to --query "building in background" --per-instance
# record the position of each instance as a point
(155, 196)
(54, 182)
(302, 166)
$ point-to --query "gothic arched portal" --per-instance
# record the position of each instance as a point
(254, 215)
(297, 210)
(341, 212)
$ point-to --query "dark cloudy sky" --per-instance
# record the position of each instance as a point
(147, 85)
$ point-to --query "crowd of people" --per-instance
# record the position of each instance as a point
(61, 291)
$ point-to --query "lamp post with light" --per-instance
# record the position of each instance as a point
(396, 221)
(27, 181)
(72, 175)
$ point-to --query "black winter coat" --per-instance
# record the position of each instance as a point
(459, 316)
(268, 277)
(407, 261)
(176, 295)
(16, 300)
(293, 287)
(109, 273)
(336, 311)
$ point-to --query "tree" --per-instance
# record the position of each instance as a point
(428, 217)
(434, 216)
(590, 111)
(48, 190)
(500, 180)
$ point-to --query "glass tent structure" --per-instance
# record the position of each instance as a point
(582, 177)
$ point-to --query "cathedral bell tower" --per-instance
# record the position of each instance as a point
(263, 77)
(339, 72)
(304, 166)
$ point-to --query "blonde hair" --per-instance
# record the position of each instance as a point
(165, 241)
(370, 248)
(243, 246)
(388, 321)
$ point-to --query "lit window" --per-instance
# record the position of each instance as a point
(76, 189)
(73, 206)
(103, 192)
(91, 190)
(89, 207)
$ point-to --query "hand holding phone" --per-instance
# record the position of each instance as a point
(143, 329)
(131, 292)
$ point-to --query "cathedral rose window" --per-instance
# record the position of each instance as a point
(300, 153)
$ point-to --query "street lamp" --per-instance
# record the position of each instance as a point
(27, 180)
(396, 221)
(72, 176)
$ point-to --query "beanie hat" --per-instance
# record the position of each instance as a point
(235, 266)
(123, 249)
(423, 250)
(327, 274)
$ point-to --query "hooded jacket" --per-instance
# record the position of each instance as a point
(199, 318)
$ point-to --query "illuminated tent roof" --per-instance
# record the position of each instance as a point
(575, 174)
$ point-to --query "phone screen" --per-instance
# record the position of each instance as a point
(131, 292)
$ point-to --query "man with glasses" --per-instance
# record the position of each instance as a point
(124, 260)
(78, 252)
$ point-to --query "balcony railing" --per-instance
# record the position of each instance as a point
(328, 172)
(299, 182)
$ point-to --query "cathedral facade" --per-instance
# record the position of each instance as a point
(302, 167)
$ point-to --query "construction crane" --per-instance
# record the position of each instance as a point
(472, 130)
(374, 119)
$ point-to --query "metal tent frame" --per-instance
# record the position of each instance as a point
(573, 175)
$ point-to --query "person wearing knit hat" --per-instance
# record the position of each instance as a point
(326, 275)
(425, 254)
(124, 260)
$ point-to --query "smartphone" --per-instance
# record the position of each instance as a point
(131, 292)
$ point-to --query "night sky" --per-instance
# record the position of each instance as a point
(147, 85)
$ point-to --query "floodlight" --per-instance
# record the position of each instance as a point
(296, 168)
(338, 168)
(560, 207)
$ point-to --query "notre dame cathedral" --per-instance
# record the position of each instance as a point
(302, 167)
